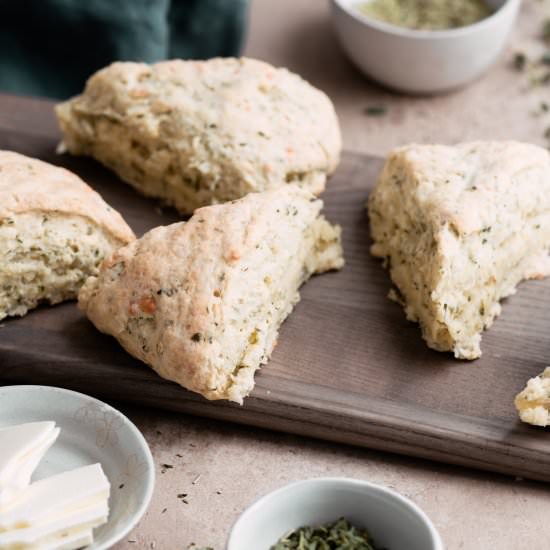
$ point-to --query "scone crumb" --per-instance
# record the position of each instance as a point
(533, 403)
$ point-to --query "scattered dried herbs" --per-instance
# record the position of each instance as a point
(339, 535)
(165, 467)
(196, 480)
(376, 110)
(537, 71)
(519, 61)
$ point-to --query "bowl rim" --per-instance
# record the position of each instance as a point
(404, 32)
(343, 481)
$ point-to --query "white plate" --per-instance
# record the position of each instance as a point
(91, 431)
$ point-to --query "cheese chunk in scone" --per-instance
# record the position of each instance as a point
(533, 402)
(459, 228)
(194, 133)
(54, 233)
(202, 301)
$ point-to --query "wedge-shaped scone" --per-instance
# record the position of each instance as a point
(533, 402)
(202, 302)
(195, 133)
(54, 233)
(459, 228)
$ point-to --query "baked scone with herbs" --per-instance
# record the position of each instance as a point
(459, 227)
(54, 233)
(195, 133)
(533, 402)
(202, 301)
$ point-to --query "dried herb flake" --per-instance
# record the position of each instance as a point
(520, 61)
(376, 110)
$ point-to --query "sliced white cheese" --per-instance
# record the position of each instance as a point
(22, 447)
(60, 532)
(67, 541)
(71, 500)
(70, 539)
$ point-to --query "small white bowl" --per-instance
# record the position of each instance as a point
(423, 61)
(91, 431)
(394, 522)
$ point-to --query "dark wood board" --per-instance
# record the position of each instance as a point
(348, 367)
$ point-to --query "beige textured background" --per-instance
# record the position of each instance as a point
(236, 465)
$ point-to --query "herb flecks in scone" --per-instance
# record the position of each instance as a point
(533, 402)
(54, 233)
(459, 228)
(194, 133)
(202, 302)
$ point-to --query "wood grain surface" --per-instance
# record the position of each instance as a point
(348, 367)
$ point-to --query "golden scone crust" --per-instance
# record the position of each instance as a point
(459, 228)
(31, 185)
(54, 233)
(201, 302)
(195, 133)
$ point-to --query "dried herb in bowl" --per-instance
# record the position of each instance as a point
(339, 535)
(426, 14)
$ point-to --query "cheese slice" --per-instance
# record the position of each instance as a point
(67, 541)
(59, 533)
(66, 503)
(22, 447)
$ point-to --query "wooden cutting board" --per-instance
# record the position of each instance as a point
(348, 366)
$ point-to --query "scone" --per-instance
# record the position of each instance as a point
(202, 302)
(54, 233)
(459, 228)
(195, 133)
(533, 402)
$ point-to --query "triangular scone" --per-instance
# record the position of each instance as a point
(54, 233)
(194, 133)
(202, 302)
(533, 402)
(459, 228)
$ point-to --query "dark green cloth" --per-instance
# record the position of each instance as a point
(50, 47)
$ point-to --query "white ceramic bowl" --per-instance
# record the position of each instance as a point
(423, 61)
(395, 522)
(91, 431)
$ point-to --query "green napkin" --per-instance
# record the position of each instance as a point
(50, 47)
